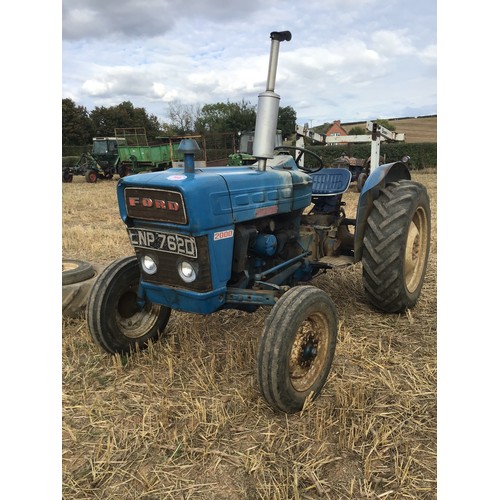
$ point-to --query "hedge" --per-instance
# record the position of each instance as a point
(423, 155)
(69, 161)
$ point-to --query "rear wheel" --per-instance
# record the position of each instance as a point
(91, 176)
(67, 176)
(115, 319)
(396, 246)
(123, 171)
(296, 349)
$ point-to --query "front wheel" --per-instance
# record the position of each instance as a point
(91, 176)
(296, 349)
(396, 246)
(115, 319)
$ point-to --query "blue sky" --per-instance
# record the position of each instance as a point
(346, 60)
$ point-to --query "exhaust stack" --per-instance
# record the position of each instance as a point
(268, 106)
(188, 147)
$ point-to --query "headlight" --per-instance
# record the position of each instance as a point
(187, 271)
(149, 265)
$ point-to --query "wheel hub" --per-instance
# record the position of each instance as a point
(309, 352)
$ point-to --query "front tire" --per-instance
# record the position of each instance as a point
(296, 349)
(91, 176)
(115, 321)
(396, 246)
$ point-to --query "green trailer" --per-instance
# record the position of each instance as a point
(137, 154)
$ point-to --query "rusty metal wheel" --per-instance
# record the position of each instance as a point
(297, 347)
(91, 176)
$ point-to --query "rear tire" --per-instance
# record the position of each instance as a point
(123, 171)
(67, 176)
(396, 246)
(114, 319)
(296, 349)
(91, 176)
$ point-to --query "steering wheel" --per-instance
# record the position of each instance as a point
(302, 152)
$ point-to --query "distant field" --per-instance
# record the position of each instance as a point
(415, 129)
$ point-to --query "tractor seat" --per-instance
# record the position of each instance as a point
(330, 181)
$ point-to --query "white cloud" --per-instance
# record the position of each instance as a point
(334, 66)
(429, 54)
(95, 88)
(392, 43)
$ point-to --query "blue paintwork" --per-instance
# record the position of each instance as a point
(217, 198)
(376, 181)
(185, 300)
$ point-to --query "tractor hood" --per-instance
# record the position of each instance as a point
(214, 197)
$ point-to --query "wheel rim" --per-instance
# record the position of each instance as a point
(133, 321)
(309, 352)
(416, 249)
(69, 266)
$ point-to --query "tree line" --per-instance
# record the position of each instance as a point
(79, 125)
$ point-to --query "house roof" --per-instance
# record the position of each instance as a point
(336, 129)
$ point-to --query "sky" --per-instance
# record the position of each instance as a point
(348, 61)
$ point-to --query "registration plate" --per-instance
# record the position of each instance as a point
(164, 242)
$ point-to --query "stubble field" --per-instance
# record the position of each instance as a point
(185, 419)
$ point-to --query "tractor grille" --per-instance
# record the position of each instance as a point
(155, 204)
(167, 268)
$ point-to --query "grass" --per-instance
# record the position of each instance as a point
(184, 419)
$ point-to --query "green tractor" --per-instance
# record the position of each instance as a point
(101, 163)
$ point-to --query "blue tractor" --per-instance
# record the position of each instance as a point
(252, 236)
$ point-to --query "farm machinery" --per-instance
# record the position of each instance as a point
(251, 236)
(100, 163)
(245, 156)
(138, 155)
(359, 167)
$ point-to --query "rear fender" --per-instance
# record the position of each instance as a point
(377, 180)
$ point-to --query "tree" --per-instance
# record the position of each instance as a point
(287, 118)
(77, 127)
(226, 117)
(387, 124)
(182, 119)
(358, 130)
(124, 115)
